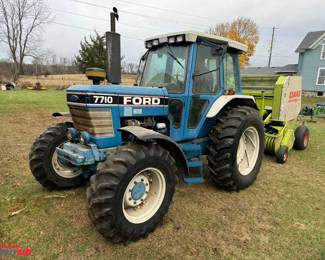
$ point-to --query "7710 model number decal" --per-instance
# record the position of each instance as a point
(103, 99)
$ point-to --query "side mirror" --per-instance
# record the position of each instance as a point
(220, 50)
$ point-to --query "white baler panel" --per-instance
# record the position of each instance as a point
(291, 98)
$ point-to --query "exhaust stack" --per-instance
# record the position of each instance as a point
(113, 48)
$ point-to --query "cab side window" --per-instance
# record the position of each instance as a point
(230, 72)
(206, 74)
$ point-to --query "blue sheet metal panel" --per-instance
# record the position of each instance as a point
(139, 111)
(119, 89)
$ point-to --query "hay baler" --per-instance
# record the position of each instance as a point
(280, 105)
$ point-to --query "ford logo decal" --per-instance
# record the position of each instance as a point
(74, 98)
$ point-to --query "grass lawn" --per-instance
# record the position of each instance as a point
(282, 216)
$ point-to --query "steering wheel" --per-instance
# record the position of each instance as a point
(157, 80)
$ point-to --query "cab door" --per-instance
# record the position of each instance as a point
(204, 88)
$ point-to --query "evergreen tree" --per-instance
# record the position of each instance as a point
(92, 53)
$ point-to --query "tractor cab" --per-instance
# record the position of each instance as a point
(196, 69)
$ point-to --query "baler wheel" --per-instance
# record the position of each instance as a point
(44, 163)
(282, 154)
(236, 148)
(131, 192)
(301, 138)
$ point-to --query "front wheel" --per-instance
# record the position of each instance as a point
(131, 192)
(45, 165)
(236, 148)
(282, 154)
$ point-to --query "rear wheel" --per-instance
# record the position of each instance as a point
(45, 165)
(301, 138)
(236, 148)
(131, 192)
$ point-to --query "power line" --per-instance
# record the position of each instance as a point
(102, 19)
(166, 9)
(88, 29)
(137, 14)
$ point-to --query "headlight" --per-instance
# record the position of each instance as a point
(72, 134)
(84, 138)
(180, 38)
(171, 39)
(148, 44)
(155, 42)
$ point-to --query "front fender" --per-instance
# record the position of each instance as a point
(148, 135)
(65, 114)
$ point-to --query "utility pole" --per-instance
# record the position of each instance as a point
(271, 48)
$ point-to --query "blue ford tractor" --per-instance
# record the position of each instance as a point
(134, 142)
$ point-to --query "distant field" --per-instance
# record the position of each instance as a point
(66, 80)
(281, 216)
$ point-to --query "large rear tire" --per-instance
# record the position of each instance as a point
(131, 192)
(236, 148)
(44, 162)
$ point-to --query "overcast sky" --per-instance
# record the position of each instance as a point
(292, 18)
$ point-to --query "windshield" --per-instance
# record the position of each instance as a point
(166, 67)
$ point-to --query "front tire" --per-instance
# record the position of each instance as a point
(44, 163)
(236, 148)
(131, 192)
(282, 154)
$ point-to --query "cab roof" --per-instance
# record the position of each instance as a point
(193, 36)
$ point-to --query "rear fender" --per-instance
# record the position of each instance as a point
(147, 135)
(230, 101)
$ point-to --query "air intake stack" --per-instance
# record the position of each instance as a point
(113, 47)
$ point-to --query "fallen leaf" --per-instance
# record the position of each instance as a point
(299, 226)
(14, 213)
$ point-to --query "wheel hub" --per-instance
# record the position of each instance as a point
(137, 190)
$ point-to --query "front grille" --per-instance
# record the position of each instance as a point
(96, 121)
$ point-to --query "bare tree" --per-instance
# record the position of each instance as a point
(20, 25)
(132, 68)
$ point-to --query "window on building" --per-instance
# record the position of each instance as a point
(322, 54)
(321, 76)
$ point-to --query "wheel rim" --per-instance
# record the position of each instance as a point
(248, 150)
(65, 171)
(144, 195)
(306, 139)
(285, 157)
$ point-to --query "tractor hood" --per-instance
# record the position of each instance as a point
(131, 100)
